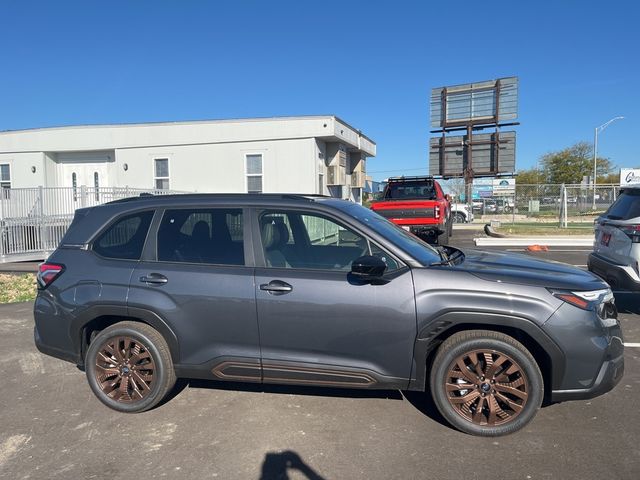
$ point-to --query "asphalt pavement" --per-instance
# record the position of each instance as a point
(52, 427)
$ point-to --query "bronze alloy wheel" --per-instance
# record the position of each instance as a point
(124, 369)
(486, 387)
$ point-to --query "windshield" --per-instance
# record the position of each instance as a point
(410, 190)
(421, 251)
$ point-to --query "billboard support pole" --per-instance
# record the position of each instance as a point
(468, 171)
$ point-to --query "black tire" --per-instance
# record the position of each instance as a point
(518, 410)
(140, 367)
(443, 238)
(450, 227)
(459, 218)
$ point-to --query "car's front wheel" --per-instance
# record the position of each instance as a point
(486, 383)
(459, 218)
(129, 367)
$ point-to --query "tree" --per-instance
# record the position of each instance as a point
(610, 179)
(572, 164)
(531, 176)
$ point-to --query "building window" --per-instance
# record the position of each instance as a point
(74, 186)
(5, 179)
(321, 184)
(96, 184)
(161, 173)
(254, 173)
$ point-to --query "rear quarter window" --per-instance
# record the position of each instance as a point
(125, 238)
(626, 207)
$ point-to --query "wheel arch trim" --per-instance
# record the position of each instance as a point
(149, 317)
(431, 335)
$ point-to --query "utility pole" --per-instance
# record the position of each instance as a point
(595, 154)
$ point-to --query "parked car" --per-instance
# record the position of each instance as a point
(616, 251)
(485, 206)
(461, 213)
(504, 204)
(418, 205)
(318, 291)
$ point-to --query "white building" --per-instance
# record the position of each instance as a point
(314, 155)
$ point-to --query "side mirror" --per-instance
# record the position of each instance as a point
(368, 267)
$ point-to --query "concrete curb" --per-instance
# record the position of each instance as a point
(567, 241)
(492, 233)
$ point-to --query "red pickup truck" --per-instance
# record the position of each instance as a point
(418, 205)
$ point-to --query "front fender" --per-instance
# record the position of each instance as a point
(430, 337)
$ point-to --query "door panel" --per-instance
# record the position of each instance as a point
(317, 323)
(326, 321)
(211, 309)
(193, 275)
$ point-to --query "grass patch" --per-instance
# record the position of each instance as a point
(541, 229)
(17, 288)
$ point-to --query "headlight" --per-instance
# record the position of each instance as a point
(600, 301)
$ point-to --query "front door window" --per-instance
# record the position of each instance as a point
(310, 241)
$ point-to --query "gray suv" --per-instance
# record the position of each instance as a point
(616, 250)
(317, 291)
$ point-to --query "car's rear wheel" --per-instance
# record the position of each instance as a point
(486, 383)
(129, 367)
(443, 238)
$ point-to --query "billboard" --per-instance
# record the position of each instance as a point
(629, 176)
(480, 103)
(492, 153)
(504, 187)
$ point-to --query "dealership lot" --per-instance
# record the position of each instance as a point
(53, 426)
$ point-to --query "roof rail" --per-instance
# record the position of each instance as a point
(410, 179)
(290, 196)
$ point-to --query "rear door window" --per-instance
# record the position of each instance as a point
(125, 238)
(626, 207)
(213, 236)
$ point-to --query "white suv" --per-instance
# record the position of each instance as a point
(616, 250)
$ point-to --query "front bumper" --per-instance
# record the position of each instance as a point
(608, 377)
(593, 353)
(618, 276)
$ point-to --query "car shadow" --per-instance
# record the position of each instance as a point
(421, 401)
(627, 302)
(295, 389)
(277, 466)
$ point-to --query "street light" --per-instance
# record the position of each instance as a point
(595, 154)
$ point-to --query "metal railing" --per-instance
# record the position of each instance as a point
(34, 220)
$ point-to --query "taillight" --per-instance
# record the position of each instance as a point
(47, 273)
(632, 231)
(437, 211)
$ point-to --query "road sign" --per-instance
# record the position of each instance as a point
(629, 176)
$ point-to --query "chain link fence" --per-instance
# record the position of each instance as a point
(544, 203)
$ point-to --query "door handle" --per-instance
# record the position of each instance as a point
(276, 287)
(154, 278)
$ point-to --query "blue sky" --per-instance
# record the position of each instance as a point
(371, 63)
